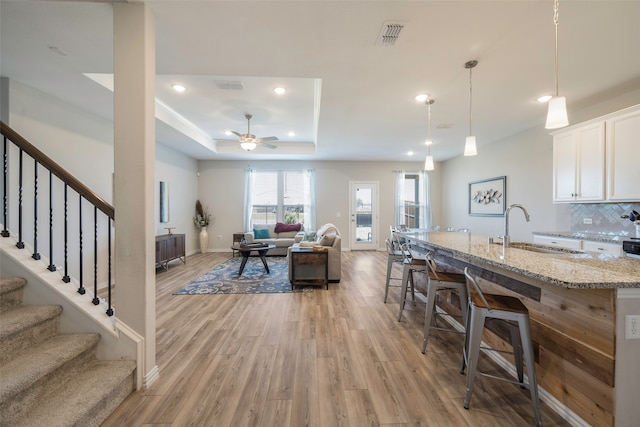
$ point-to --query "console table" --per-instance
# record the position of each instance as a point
(309, 267)
(168, 248)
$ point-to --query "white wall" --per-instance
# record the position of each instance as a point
(221, 188)
(526, 160)
(179, 172)
(82, 143)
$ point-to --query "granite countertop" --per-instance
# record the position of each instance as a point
(571, 270)
(583, 235)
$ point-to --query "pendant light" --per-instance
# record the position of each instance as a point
(470, 143)
(428, 161)
(557, 112)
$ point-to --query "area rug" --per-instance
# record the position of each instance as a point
(223, 279)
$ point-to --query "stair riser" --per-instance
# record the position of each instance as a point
(15, 407)
(18, 342)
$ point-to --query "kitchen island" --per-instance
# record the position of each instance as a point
(577, 304)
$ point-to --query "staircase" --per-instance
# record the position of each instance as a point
(53, 379)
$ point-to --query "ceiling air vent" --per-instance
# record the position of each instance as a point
(389, 33)
(229, 84)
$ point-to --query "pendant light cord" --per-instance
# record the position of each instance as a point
(429, 128)
(555, 22)
(470, 100)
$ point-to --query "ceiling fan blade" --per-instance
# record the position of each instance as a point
(264, 144)
(236, 133)
(268, 138)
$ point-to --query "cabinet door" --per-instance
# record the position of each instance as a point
(558, 241)
(590, 149)
(602, 248)
(623, 152)
(564, 167)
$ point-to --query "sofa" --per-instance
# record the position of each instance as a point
(279, 234)
(329, 237)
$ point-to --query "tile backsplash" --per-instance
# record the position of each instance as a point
(605, 218)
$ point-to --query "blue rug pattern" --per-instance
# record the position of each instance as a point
(223, 279)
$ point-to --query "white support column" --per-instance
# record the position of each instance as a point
(134, 134)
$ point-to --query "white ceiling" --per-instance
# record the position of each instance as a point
(347, 97)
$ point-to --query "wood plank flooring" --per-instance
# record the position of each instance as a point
(321, 358)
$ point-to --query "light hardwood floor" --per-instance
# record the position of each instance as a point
(321, 358)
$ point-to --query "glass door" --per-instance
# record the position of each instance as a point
(364, 215)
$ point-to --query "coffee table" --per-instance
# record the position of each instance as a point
(245, 251)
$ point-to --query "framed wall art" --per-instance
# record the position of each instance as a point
(488, 197)
(164, 202)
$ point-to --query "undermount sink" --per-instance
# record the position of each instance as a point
(542, 248)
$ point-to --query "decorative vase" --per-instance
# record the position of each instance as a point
(204, 239)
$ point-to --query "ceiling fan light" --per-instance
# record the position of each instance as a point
(428, 163)
(557, 113)
(248, 146)
(470, 146)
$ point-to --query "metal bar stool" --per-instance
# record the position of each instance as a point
(409, 266)
(515, 313)
(438, 281)
(393, 256)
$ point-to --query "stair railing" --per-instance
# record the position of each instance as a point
(55, 227)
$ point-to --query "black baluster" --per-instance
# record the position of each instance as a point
(110, 309)
(5, 197)
(95, 300)
(20, 244)
(51, 267)
(66, 278)
(81, 289)
(35, 255)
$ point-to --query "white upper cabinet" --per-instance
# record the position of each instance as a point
(578, 163)
(623, 157)
(582, 153)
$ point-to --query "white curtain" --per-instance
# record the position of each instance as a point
(310, 199)
(424, 221)
(249, 177)
(399, 199)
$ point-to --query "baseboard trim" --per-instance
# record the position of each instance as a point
(151, 377)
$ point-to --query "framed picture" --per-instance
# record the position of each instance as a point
(164, 202)
(488, 197)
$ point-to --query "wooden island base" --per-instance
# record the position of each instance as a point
(587, 369)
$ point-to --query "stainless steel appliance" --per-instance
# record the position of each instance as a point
(632, 247)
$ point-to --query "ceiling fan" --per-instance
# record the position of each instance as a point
(249, 142)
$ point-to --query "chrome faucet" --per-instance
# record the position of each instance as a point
(506, 239)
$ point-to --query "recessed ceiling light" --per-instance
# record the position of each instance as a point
(178, 87)
(291, 133)
(410, 153)
(227, 132)
(422, 97)
(280, 90)
(428, 142)
(544, 98)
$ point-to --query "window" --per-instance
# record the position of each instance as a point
(412, 200)
(279, 196)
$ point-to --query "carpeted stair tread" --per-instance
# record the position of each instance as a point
(11, 292)
(20, 318)
(86, 400)
(10, 284)
(41, 360)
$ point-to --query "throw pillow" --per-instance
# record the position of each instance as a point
(310, 236)
(327, 240)
(283, 228)
(261, 233)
